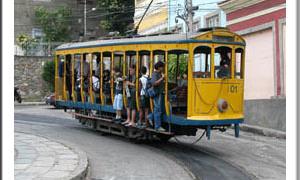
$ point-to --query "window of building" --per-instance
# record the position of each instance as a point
(213, 21)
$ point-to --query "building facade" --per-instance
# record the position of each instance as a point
(156, 18)
(208, 14)
(262, 24)
(161, 16)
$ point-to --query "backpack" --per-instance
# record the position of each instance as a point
(150, 91)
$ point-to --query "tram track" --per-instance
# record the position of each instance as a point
(201, 165)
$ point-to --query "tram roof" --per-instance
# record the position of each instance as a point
(148, 39)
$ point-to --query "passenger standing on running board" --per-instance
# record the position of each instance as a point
(118, 100)
(144, 99)
(158, 85)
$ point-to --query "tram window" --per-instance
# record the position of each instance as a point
(96, 64)
(59, 85)
(202, 65)
(158, 55)
(87, 58)
(106, 77)
(118, 61)
(77, 66)
(68, 77)
(130, 60)
(222, 58)
(145, 61)
(238, 63)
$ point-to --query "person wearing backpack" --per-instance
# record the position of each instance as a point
(144, 98)
(157, 80)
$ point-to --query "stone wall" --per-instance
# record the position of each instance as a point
(269, 113)
(28, 77)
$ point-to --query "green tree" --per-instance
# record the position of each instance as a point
(55, 23)
(173, 68)
(118, 15)
(48, 74)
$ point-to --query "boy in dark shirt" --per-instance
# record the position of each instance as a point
(158, 84)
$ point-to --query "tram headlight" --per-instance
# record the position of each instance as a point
(222, 105)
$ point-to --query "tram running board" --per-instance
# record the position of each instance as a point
(107, 125)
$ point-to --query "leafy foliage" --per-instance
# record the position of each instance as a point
(55, 23)
(172, 66)
(26, 42)
(48, 74)
(118, 15)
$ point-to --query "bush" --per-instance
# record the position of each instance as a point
(48, 74)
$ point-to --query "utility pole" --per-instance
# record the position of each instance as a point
(84, 30)
(189, 8)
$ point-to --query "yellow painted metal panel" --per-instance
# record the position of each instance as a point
(91, 81)
(81, 78)
(73, 78)
(137, 64)
(56, 86)
(124, 74)
(150, 75)
(167, 103)
(112, 77)
(101, 79)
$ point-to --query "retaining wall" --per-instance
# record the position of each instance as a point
(269, 113)
(28, 77)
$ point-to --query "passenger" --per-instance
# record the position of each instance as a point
(183, 81)
(131, 108)
(118, 100)
(224, 71)
(106, 81)
(96, 86)
(96, 83)
(96, 65)
(158, 84)
(145, 101)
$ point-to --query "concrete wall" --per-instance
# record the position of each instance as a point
(28, 77)
(269, 113)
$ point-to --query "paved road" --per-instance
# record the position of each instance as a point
(114, 157)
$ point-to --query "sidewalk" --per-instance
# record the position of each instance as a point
(40, 158)
(263, 131)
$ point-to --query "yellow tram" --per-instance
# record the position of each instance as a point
(209, 99)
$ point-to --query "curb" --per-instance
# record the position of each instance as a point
(263, 131)
(81, 170)
(30, 104)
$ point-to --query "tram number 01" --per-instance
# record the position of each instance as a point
(232, 89)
